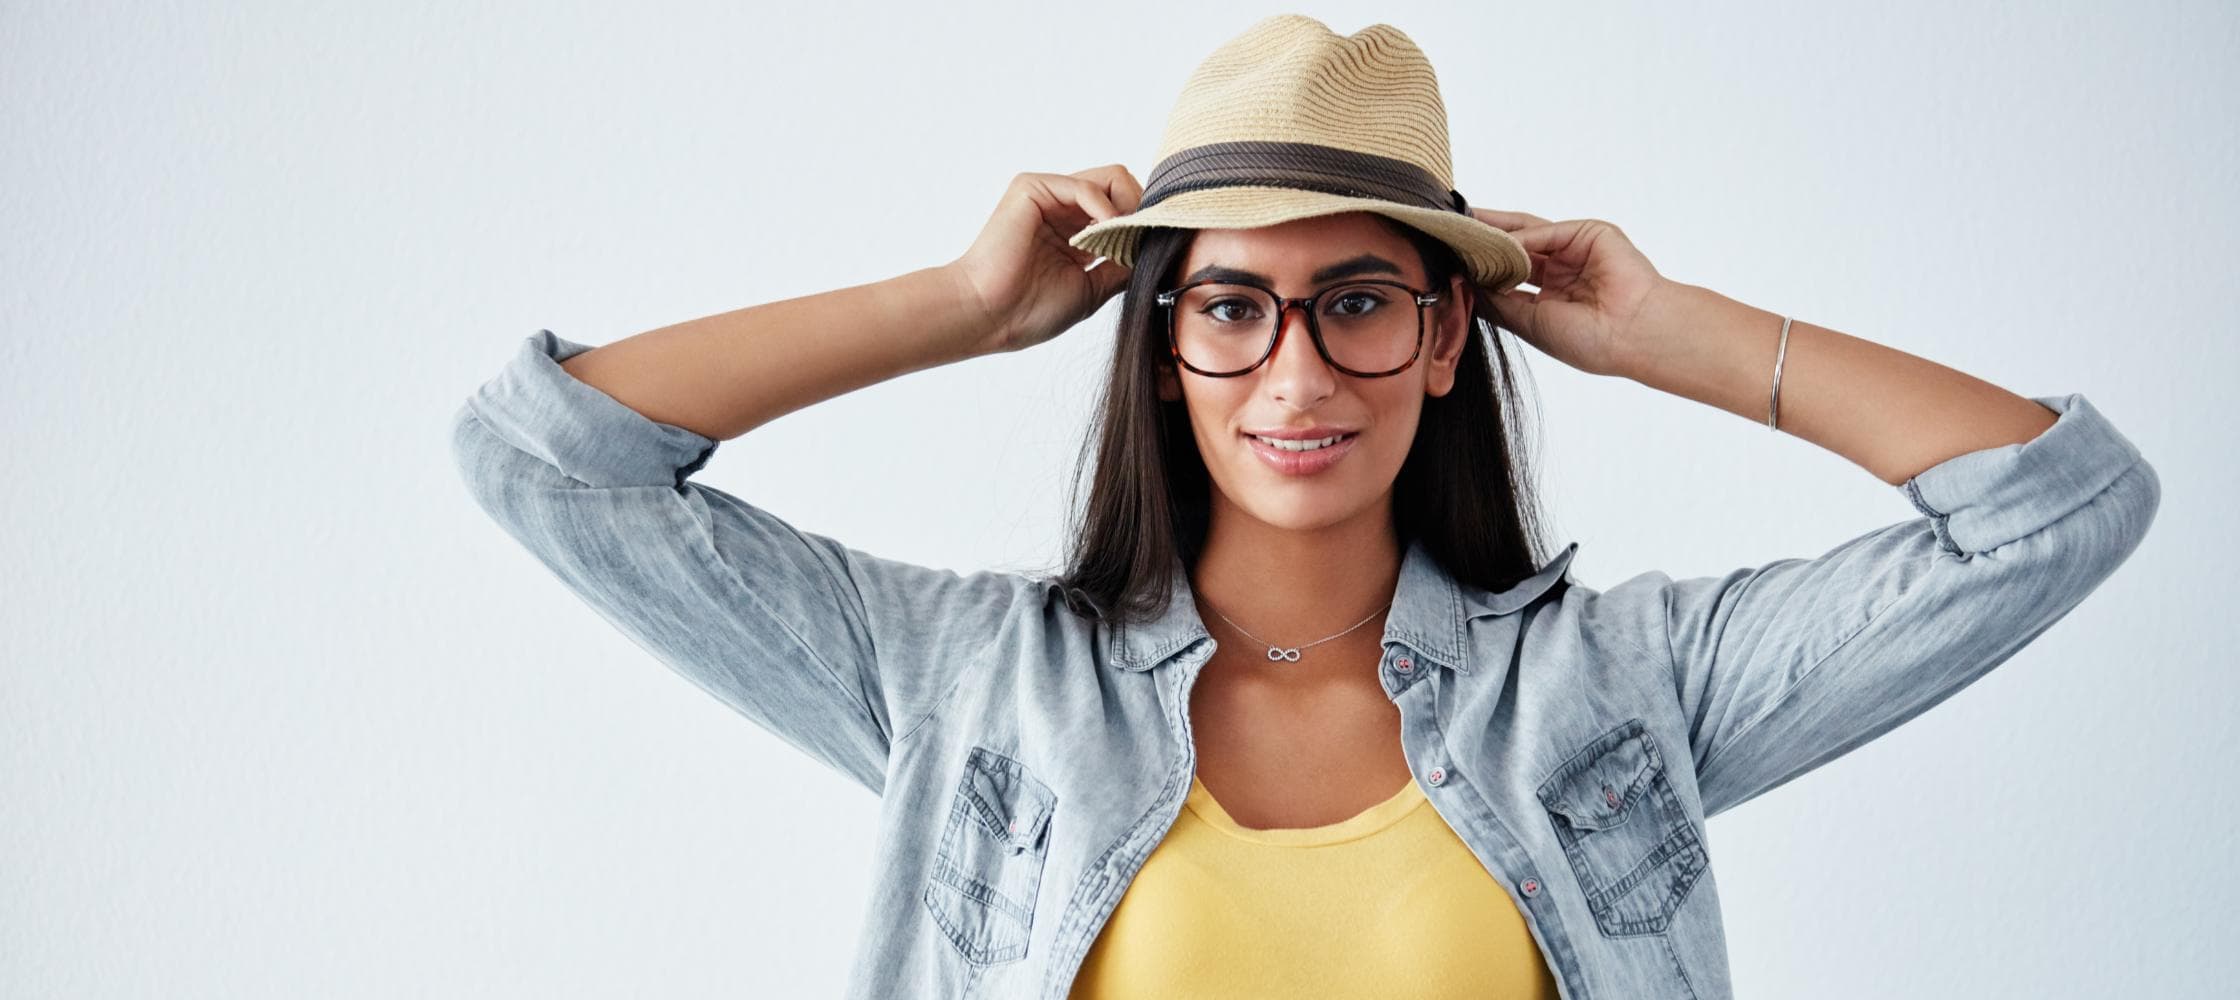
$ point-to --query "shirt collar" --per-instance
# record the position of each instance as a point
(1430, 612)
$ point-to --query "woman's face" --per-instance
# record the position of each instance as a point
(1295, 389)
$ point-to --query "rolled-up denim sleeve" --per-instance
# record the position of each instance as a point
(1783, 667)
(833, 650)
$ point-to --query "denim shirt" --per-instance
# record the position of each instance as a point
(1028, 759)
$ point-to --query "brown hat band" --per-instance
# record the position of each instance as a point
(1304, 165)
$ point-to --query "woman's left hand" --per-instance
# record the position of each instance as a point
(1598, 295)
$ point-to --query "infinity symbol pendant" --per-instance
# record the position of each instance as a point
(1283, 654)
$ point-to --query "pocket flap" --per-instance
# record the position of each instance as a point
(1012, 804)
(1596, 795)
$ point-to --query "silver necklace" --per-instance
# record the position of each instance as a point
(1291, 654)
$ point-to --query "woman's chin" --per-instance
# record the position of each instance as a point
(1311, 509)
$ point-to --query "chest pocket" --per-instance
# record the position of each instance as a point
(1631, 844)
(987, 869)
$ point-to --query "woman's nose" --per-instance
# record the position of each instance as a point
(1296, 370)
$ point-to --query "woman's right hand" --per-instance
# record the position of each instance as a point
(1027, 279)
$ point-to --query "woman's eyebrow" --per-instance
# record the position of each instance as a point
(1367, 263)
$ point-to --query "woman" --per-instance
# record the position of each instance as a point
(1307, 574)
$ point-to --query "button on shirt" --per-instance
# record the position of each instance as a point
(1030, 759)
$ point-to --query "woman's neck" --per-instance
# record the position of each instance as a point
(1289, 588)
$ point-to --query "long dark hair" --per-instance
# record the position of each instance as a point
(1465, 488)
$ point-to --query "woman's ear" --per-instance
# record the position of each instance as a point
(1448, 335)
(1170, 384)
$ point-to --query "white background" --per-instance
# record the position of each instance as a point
(283, 715)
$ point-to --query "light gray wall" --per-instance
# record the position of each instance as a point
(282, 715)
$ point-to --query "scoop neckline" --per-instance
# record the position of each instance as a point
(1384, 814)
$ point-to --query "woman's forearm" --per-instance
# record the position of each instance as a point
(1892, 413)
(721, 376)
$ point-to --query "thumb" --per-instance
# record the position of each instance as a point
(1107, 277)
(1515, 310)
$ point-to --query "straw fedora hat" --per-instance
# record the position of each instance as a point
(1290, 120)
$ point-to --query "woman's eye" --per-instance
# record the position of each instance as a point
(1363, 302)
(1214, 310)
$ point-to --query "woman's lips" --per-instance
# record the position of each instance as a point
(1301, 463)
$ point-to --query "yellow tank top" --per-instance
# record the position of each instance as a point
(1387, 903)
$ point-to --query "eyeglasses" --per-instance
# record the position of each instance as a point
(1367, 329)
